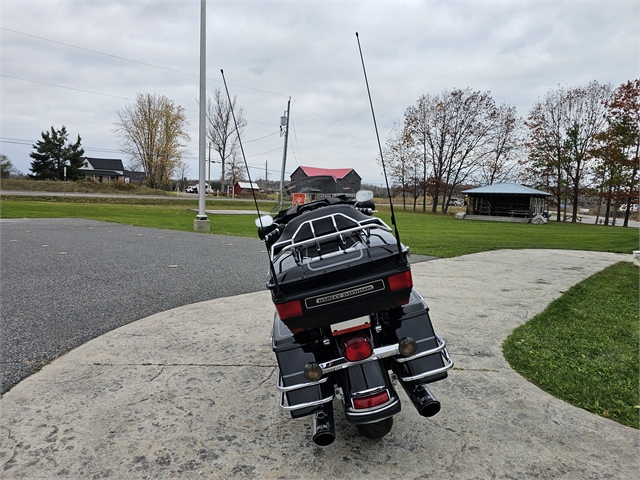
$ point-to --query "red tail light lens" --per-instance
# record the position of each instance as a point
(371, 401)
(289, 309)
(357, 348)
(400, 281)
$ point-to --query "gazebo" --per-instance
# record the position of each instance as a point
(505, 202)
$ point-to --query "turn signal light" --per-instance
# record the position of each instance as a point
(400, 281)
(371, 401)
(357, 348)
(289, 309)
(312, 372)
(407, 347)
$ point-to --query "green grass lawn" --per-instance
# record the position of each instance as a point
(584, 347)
(427, 234)
(172, 214)
(445, 236)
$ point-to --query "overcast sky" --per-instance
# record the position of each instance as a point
(74, 63)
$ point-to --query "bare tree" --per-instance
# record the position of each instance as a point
(505, 145)
(451, 132)
(7, 170)
(236, 170)
(563, 130)
(150, 132)
(400, 161)
(221, 130)
(545, 145)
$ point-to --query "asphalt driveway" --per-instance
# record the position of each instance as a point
(65, 281)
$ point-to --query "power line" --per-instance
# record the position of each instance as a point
(255, 140)
(136, 61)
(264, 153)
(68, 88)
(22, 141)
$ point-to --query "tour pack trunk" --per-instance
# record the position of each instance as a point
(329, 277)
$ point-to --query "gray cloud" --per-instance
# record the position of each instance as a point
(306, 50)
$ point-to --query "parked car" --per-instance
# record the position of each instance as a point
(455, 202)
(633, 208)
(194, 189)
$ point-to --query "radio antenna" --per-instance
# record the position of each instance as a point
(375, 125)
(246, 166)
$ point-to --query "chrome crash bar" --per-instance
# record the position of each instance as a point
(378, 354)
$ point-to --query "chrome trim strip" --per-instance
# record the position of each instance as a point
(297, 386)
(378, 353)
(448, 366)
(357, 413)
(370, 391)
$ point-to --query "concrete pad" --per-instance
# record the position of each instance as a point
(190, 393)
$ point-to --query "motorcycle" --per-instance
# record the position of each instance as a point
(348, 323)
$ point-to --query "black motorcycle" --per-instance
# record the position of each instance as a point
(348, 322)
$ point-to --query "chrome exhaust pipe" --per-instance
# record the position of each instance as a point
(424, 401)
(324, 428)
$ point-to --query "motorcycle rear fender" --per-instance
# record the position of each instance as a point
(365, 379)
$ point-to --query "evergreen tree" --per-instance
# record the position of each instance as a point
(53, 153)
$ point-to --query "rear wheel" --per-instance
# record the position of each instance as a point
(377, 429)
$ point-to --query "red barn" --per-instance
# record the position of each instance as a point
(315, 180)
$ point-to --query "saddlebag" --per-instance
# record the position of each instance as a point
(293, 352)
(431, 361)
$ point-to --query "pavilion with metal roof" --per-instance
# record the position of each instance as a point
(506, 202)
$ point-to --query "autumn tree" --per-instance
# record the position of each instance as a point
(562, 133)
(450, 132)
(619, 150)
(222, 134)
(151, 131)
(53, 153)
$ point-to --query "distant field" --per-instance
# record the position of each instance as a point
(426, 234)
(78, 187)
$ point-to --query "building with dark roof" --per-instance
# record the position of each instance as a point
(506, 200)
(324, 181)
(109, 170)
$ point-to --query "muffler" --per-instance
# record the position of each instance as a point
(324, 428)
(423, 400)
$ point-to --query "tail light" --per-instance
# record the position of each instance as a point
(289, 309)
(357, 348)
(371, 401)
(400, 281)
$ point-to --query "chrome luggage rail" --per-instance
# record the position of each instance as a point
(298, 386)
(292, 244)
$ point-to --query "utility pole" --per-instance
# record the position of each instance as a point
(201, 223)
(284, 121)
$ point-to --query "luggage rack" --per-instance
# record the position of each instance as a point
(310, 232)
